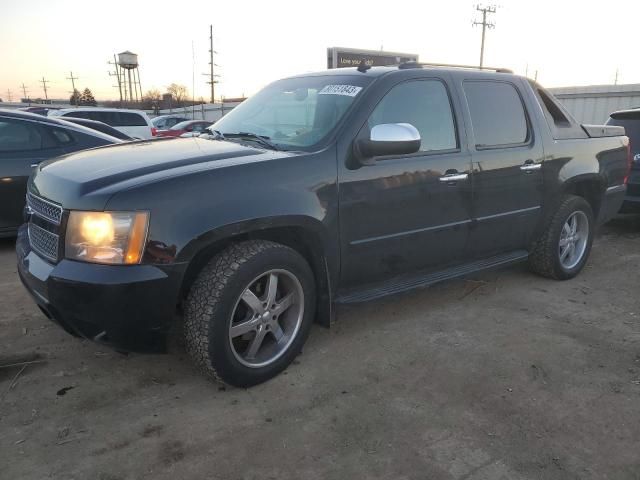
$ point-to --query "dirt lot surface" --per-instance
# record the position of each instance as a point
(502, 376)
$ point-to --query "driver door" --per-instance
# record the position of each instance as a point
(400, 214)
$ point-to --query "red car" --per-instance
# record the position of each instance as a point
(188, 126)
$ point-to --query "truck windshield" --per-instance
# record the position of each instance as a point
(295, 113)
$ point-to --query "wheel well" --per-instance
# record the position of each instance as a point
(590, 190)
(299, 239)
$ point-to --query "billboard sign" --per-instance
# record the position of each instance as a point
(338, 57)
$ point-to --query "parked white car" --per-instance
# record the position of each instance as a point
(134, 123)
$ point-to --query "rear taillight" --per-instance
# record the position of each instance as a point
(154, 131)
(629, 162)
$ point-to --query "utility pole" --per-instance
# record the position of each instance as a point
(616, 80)
(117, 75)
(73, 82)
(44, 85)
(73, 85)
(9, 94)
(212, 77)
(24, 91)
(485, 25)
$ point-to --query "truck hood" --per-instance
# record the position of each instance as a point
(87, 179)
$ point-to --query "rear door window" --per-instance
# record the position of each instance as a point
(115, 119)
(19, 136)
(497, 114)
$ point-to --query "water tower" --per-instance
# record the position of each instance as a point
(129, 76)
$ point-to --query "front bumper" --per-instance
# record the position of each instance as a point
(128, 307)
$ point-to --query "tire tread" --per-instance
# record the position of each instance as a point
(543, 257)
(205, 297)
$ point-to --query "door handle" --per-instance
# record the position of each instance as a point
(34, 165)
(529, 166)
(454, 177)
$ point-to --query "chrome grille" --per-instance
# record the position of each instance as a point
(43, 242)
(44, 208)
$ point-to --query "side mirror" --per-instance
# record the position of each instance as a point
(389, 139)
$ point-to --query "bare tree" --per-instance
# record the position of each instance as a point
(179, 93)
(151, 99)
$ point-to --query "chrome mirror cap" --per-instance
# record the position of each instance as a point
(394, 132)
(387, 139)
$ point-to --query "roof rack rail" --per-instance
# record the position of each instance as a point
(451, 65)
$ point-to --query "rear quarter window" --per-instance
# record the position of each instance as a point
(128, 119)
(497, 114)
(61, 136)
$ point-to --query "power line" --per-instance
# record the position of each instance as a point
(485, 25)
(44, 85)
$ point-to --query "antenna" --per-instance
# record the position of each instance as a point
(485, 25)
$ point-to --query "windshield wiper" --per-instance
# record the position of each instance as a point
(261, 139)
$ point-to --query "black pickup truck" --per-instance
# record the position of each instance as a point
(334, 187)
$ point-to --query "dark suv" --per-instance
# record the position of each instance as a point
(26, 139)
(630, 120)
(334, 187)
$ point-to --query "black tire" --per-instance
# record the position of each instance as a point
(212, 299)
(544, 258)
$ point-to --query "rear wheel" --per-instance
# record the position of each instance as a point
(249, 312)
(564, 247)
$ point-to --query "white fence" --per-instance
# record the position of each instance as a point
(593, 104)
(207, 111)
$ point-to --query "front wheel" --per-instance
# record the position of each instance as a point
(563, 249)
(249, 312)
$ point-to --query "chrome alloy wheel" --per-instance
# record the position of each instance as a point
(266, 318)
(573, 239)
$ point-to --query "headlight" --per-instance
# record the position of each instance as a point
(106, 237)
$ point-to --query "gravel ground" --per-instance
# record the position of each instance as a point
(501, 376)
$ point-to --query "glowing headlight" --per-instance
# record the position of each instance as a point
(106, 237)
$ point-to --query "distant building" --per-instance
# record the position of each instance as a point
(592, 104)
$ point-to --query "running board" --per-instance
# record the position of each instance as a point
(406, 283)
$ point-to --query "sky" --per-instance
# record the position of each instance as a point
(566, 42)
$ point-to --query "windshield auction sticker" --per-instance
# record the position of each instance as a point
(348, 90)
